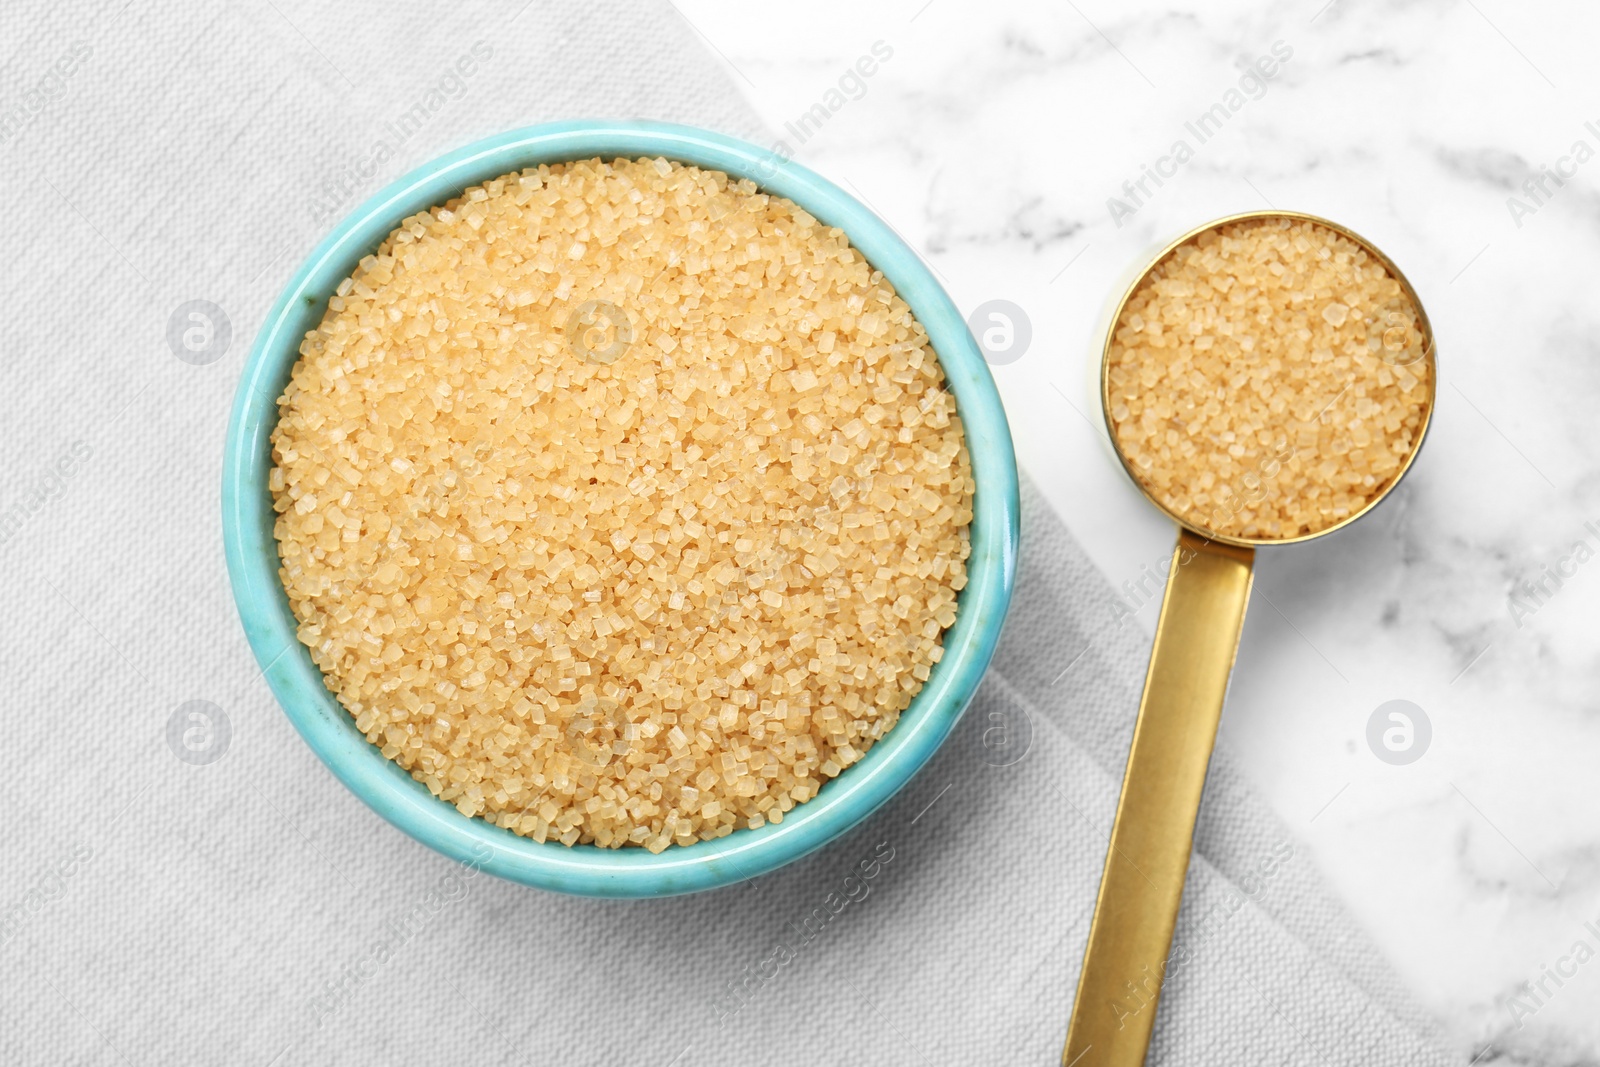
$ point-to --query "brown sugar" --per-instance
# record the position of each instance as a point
(1268, 379)
(621, 503)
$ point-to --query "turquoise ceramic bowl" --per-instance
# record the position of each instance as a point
(247, 521)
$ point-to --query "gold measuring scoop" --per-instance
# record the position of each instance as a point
(1129, 951)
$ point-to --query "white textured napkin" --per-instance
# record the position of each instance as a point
(248, 910)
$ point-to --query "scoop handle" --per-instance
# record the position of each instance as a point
(1130, 941)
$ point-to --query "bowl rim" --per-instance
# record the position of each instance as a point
(588, 870)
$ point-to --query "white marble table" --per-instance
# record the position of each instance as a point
(994, 137)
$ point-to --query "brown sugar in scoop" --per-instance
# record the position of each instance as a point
(1267, 381)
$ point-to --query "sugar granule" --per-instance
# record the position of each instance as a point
(621, 581)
